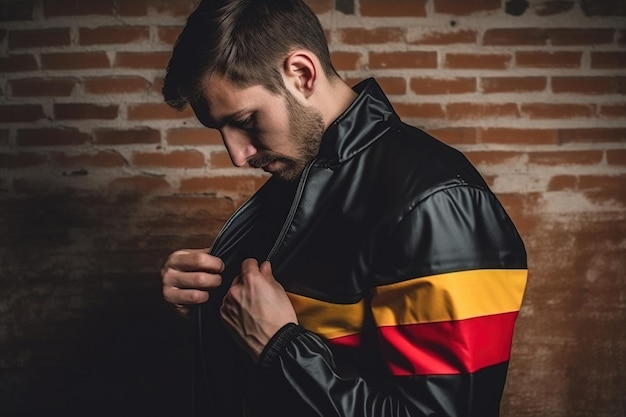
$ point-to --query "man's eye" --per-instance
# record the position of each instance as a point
(244, 123)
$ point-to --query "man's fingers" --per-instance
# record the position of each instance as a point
(249, 266)
(177, 296)
(266, 268)
(195, 260)
(192, 280)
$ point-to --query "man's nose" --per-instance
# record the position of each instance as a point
(239, 146)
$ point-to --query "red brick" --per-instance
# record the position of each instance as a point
(106, 35)
(18, 63)
(620, 85)
(157, 111)
(616, 199)
(320, 6)
(456, 135)
(360, 36)
(565, 158)
(21, 113)
(176, 159)
(601, 182)
(21, 160)
(515, 37)
(185, 212)
(139, 184)
(51, 137)
(563, 183)
(518, 206)
(604, 7)
(445, 38)
(42, 87)
(585, 85)
(82, 111)
(616, 157)
(16, 10)
(193, 137)
(466, 7)
(459, 111)
(220, 160)
(477, 61)
(142, 60)
(238, 185)
(346, 61)
(425, 85)
(592, 135)
(403, 8)
(201, 206)
(553, 7)
(498, 135)
(178, 8)
(544, 59)
(489, 179)
(608, 60)
(38, 38)
(115, 85)
(419, 110)
(485, 158)
(411, 59)
(490, 85)
(55, 8)
(392, 85)
(102, 159)
(169, 34)
(617, 110)
(5, 139)
(576, 36)
(136, 136)
(75, 60)
(157, 83)
(557, 110)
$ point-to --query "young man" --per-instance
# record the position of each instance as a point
(374, 274)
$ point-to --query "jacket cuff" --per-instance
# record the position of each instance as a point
(278, 342)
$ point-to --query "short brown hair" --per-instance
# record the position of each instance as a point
(243, 40)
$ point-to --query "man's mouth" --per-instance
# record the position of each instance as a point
(271, 167)
(267, 164)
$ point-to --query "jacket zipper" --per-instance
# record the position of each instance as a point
(292, 211)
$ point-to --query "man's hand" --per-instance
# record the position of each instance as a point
(188, 276)
(256, 306)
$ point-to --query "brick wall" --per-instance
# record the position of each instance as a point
(99, 181)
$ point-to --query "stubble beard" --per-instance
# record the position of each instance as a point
(306, 128)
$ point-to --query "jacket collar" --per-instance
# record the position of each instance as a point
(364, 121)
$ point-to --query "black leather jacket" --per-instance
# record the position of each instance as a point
(404, 270)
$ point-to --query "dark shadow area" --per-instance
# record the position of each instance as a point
(131, 356)
(83, 327)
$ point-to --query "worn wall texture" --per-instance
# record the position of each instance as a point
(100, 181)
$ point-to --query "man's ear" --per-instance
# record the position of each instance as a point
(301, 72)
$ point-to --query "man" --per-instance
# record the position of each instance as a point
(374, 274)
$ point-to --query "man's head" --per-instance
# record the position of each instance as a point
(246, 42)
(238, 64)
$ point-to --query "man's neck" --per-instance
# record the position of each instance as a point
(334, 99)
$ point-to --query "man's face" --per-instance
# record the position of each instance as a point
(274, 132)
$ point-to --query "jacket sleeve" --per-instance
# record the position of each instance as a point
(448, 280)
